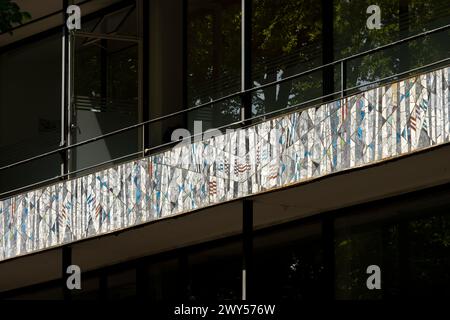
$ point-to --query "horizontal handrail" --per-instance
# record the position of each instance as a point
(115, 37)
(343, 60)
(228, 97)
(221, 99)
(240, 122)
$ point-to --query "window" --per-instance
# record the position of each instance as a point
(164, 280)
(399, 19)
(40, 292)
(105, 97)
(408, 240)
(106, 88)
(286, 40)
(428, 256)
(288, 264)
(358, 246)
(215, 274)
(90, 289)
(122, 285)
(213, 60)
(30, 111)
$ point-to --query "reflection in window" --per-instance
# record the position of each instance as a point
(215, 274)
(30, 111)
(90, 289)
(164, 280)
(106, 90)
(44, 292)
(213, 59)
(122, 285)
(429, 256)
(289, 264)
(356, 248)
(287, 39)
(120, 22)
(412, 251)
(399, 19)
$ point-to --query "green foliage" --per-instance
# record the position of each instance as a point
(11, 15)
(287, 39)
(352, 37)
(413, 247)
(214, 35)
(122, 71)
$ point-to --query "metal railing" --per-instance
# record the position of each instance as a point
(342, 92)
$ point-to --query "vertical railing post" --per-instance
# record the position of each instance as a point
(343, 65)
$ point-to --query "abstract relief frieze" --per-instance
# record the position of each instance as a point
(371, 126)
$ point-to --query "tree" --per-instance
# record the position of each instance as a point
(11, 15)
(287, 39)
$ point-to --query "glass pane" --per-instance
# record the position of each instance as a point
(287, 39)
(105, 99)
(90, 289)
(214, 57)
(289, 264)
(45, 293)
(215, 274)
(356, 248)
(398, 19)
(298, 93)
(225, 113)
(429, 257)
(411, 248)
(30, 174)
(350, 26)
(167, 63)
(120, 22)
(164, 280)
(30, 110)
(122, 285)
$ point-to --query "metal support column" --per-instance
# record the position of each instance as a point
(64, 90)
(247, 249)
(343, 77)
(246, 63)
(145, 72)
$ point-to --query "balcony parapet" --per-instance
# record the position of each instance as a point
(359, 130)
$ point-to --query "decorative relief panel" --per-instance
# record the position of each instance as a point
(378, 124)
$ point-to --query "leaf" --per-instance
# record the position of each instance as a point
(11, 15)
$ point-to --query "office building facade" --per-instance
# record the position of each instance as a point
(205, 150)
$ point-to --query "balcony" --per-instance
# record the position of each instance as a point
(382, 123)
